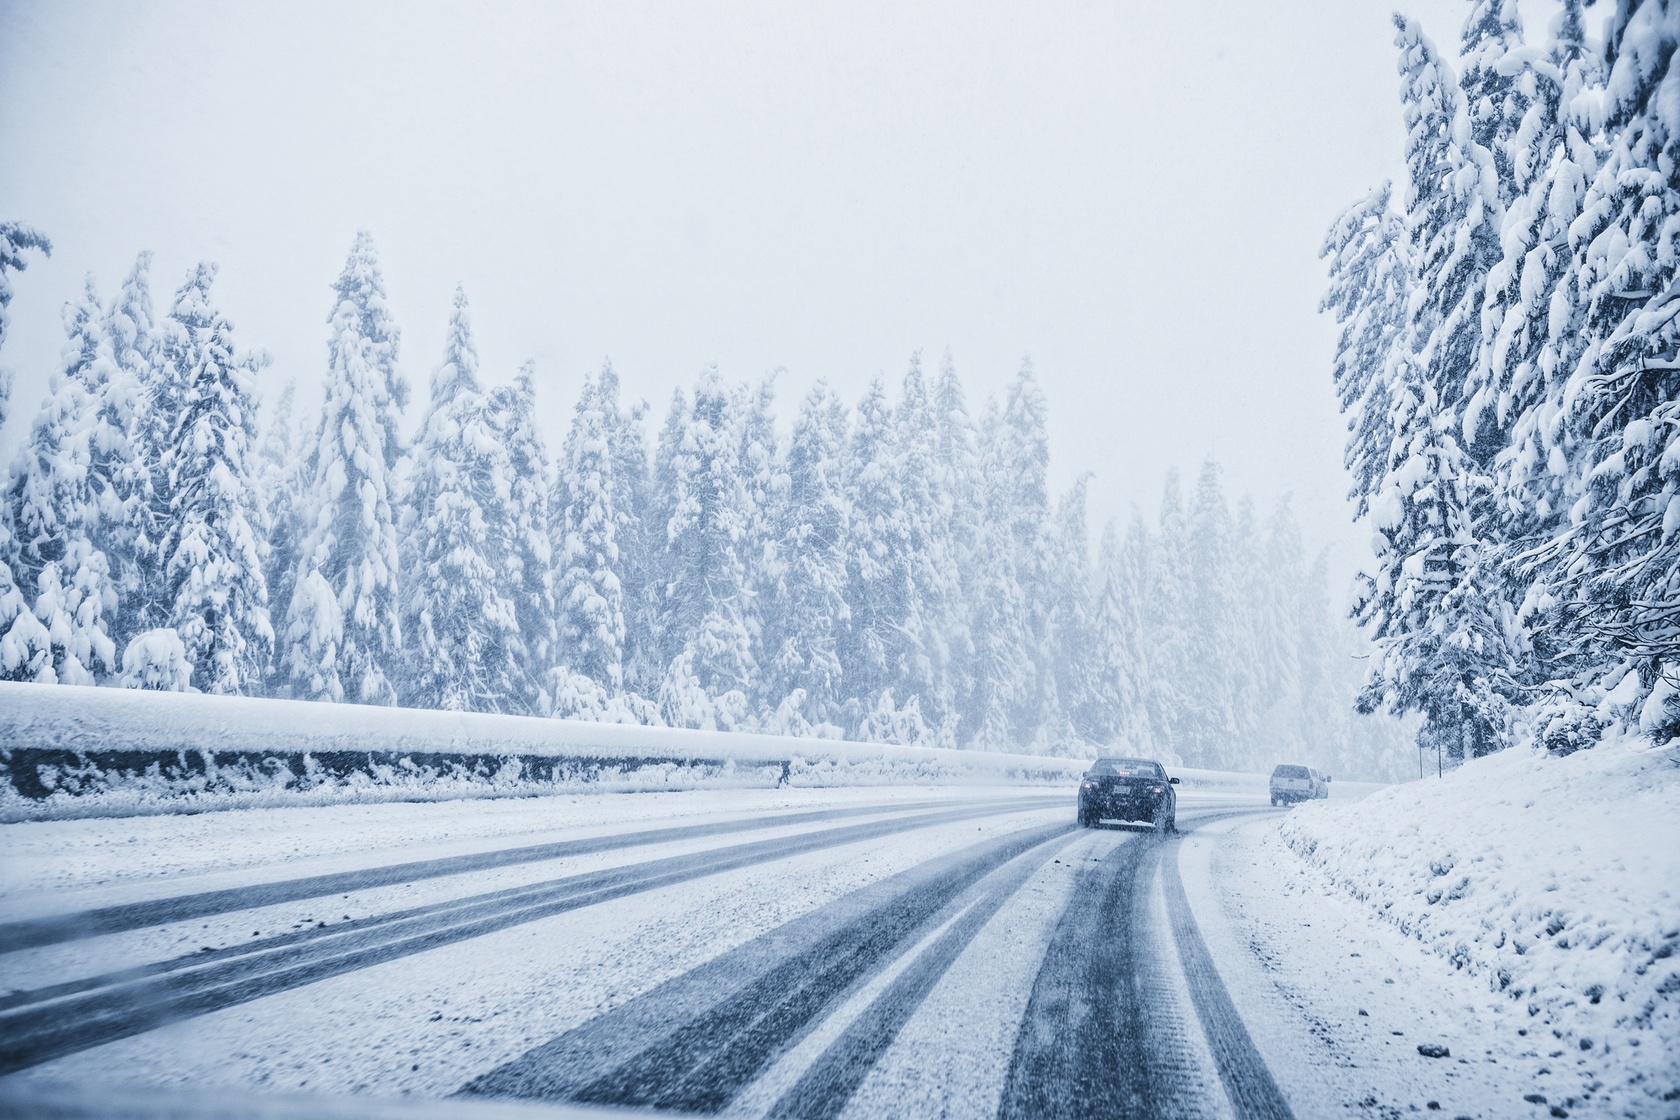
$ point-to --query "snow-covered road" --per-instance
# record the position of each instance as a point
(747, 953)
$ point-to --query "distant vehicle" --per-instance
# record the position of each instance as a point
(1298, 783)
(1135, 790)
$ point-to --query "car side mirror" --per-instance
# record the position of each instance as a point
(1172, 781)
(1327, 777)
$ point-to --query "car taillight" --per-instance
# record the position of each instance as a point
(1089, 785)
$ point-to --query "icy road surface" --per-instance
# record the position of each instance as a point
(805, 953)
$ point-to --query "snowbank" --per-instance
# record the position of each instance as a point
(1557, 879)
(75, 752)
(69, 751)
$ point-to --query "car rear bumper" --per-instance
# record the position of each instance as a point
(1128, 810)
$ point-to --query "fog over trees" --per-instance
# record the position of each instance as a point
(894, 570)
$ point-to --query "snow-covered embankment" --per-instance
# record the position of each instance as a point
(1557, 879)
(67, 751)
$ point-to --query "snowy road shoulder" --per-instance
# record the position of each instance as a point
(1343, 1008)
(1552, 880)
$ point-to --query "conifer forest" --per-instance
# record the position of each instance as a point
(894, 570)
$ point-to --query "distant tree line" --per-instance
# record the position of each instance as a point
(1509, 361)
(897, 571)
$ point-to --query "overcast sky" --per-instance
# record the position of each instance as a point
(1132, 193)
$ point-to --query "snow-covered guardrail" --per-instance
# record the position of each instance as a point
(68, 751)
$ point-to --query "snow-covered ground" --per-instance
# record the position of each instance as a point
(1552, 880)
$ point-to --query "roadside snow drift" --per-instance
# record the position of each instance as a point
(1555, 878)
(69, 751)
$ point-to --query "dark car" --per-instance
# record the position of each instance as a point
(1135, 790)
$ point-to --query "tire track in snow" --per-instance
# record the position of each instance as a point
(824, 1089)
(35, 932)
(1081, 1049)
(1249, 1084)
(196, 985)
(1099, 1037)
(696, 1041)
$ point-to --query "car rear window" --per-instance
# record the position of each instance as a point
(1126, 768)
(1290, 772)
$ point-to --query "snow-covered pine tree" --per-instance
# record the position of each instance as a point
(529, 558)
(16, 238)
(1614, 569)
(24, 644)
(935, 589)
(1005, 710)
(957, 463)
(806, 611)
(1435, 603)
(763, 482)
(1119, 717)
(350, 537)
(640, 532)
(279, 481)
(882, 637)
(1453, 216)
(1167, 618)
(703, 608)
(137, 350)
(1527, 327)
(212, 544)
(464, 652)
(588, 593)
(662, 492)
(1279, 622)
(50, 498)
(1370, 285)
(62, 490)
(1208, 729)
(1072, 699)
(1250, 701)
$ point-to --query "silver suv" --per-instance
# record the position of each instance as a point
(1298, 783)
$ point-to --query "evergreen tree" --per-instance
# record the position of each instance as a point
(1072, 701)
(1167, 616)
(464, 652)
(137, 350)
(957, 466)
(22, 643)
(1004, 668)
(881, 639)
(1370, 285)
(60, 505)
(1119, 717)
(1613, 569)
(806, 612)
(703, 607)
(350, 538)
(279, 482)
(590, 595)
(529, 558)
(212, 545)
(1208, 726)
(16, 238)
(1434, 602)
(639, 532)
(935, 594)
